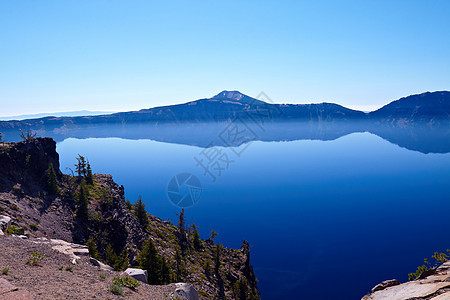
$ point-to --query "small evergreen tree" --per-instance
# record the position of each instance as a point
(196, 237)
(182, 231)
(129, 205)
(178, 265)
(122, 261)
(213, 235)
(149, 260)
(83, 201)
(52, 180)
(92, 247)
(141, 213)
(80, 166)
(89, 177)
(217, 258)
(110, 255)
(165, 272)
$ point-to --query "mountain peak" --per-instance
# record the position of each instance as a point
(231, 95)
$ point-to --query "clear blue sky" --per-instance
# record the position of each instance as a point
(126, 55)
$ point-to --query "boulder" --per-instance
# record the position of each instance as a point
(385, 284)
(100, 264)
(138, 274)
(5, 221)
(185, 291)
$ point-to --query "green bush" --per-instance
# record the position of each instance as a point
(5, 271)
(116, 289)
(127, 282)
(13, 229)
(35, 259)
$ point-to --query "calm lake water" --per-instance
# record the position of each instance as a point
(325, 219)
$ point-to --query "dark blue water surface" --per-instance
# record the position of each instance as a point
(325, 219)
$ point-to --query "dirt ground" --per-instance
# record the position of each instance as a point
(48, 282)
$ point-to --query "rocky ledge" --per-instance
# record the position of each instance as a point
(433, 287)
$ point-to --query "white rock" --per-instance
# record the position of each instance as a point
(185, 291)
(100, 264)
(138, 274)
(5, 221)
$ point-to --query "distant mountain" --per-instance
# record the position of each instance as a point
(56, 114)
(432, 108)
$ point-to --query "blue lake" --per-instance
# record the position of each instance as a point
(325, 219)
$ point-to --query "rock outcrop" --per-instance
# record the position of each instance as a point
(434, 287)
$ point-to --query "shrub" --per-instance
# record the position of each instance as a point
(35, 258)
(13, 229)
(33, 227)
(15, 207)
(70, 269)
(2, 208)
(127, 282)
(102, 276)
(5, 271)
(60, 268)
(116, 289)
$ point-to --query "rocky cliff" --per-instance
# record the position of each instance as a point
(110, 222)
(435, 286)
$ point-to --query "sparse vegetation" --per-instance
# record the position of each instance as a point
(35, 259)
(27, 135)
(116, 289)
(102, 276)
(14, 229)
(439, 258)
(127, 282)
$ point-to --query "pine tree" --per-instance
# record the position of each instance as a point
(196, 237)
(217, 262)
(83, 201)
(80, 167)
(111, 256)
(92, 247)
(52, 180)
(178, 265)
(182, 231)
(141, 213)
(149, 260)
(122, 261)
(89, 177)
(165, 272)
